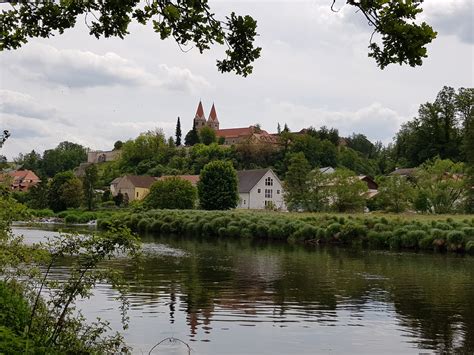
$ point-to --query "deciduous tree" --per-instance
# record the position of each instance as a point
(218, 186)
(172, 193)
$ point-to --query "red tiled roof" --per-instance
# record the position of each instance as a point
(234, 132)
(213, 114)
(23, 179)
(200, 111)
(141, 180)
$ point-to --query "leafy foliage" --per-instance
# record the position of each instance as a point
(171, 193)
(217, 186)
(403, 40)
(65, 191)
(187, 22)
(207, 135)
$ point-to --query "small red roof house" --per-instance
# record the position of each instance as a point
(22, 180)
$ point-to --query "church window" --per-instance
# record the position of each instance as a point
(259, 190)
(268, 193)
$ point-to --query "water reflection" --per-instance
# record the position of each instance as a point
(242, 297)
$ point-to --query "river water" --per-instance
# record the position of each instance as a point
(242, 297)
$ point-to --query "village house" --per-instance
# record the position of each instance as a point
(258, 189)
(132, 187)
(21, 180)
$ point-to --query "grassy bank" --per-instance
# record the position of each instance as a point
(455, 234)
(75, 216)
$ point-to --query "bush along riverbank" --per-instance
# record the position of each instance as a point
(454, 235)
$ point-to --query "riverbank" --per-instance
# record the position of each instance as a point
(436, 233)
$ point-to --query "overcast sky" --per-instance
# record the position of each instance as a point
(313, 71)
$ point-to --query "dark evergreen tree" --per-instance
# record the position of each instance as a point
(192, 137)
(178, 133)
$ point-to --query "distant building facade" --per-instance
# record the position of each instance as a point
(230, 136)
(21, 180)
(99, 156)
(132, 187)
(260, 189)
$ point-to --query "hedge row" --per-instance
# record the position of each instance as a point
(371, 231)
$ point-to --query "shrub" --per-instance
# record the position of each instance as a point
(142, 226)
(71, 219)
(411, 239)
(305, 233)
(426, 242)
(395, 242)
(352, 232)
(332, 230)
(470, 247)
(455, 240)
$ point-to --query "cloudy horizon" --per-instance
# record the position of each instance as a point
(313, 71)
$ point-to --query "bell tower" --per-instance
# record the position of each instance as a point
(213, 122)
(199, 118)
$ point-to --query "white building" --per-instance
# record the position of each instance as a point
(260, 188)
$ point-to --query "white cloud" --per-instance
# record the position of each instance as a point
(451, 17)
(20, 104)
(375, 121)
(74, 68)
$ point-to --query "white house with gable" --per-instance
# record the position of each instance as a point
(260, 188)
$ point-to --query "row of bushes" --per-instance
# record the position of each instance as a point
(370, 231)
(73, 216)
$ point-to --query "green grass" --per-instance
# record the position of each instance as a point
(381, 231)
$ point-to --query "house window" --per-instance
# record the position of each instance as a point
(278, 192)
(244, 202)
(269, 181)
(268, 203)
(268, 193)
(259, 190)
(137, 194)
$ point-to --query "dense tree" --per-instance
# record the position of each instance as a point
(438, 130)
(89, 184)
(361, 144)
(171, 193)
(395, 193)
(147, 149)
(118, 145)
(178, 133)
(65, 191)
(441, 183)
(347, 192)
(38, 195)
(217, 186)
(324, 133)
(192, 137)
(66, 156)
(30, 161)
(207, 135)
(296, 183)
(200, 155)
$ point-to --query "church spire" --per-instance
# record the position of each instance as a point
(200, 111)
(200, 119)
(213, 122)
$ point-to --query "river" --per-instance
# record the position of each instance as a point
(242, 297)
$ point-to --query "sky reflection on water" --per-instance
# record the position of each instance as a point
(239, 297)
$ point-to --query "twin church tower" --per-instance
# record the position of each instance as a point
(200, 119)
